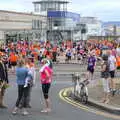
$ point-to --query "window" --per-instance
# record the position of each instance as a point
(36, 7)
(36, 24)
(43, 7)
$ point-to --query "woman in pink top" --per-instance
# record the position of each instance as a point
(46, 79)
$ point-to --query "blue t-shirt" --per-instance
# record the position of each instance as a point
(21, 74)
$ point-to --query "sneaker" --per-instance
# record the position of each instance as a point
(107, 101)
(25, 112)
(25, 85)
(44, 111)
(48, 110)
(15, 111)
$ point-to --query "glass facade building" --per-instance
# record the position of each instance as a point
(59, 20)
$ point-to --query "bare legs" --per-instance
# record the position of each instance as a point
(106, 88)
(47, 102)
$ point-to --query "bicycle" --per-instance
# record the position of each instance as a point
(80, 88)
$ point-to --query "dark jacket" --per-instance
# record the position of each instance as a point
(3, 72)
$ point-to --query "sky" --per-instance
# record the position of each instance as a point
(105, 10)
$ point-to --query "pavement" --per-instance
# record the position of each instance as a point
(60, 110)
(96, 94)
(95, 89)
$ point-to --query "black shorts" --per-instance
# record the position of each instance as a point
(112, 74)
(13, 63)
(45, 89)
(90, 69)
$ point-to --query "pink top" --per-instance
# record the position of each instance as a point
(114, 52)
(43, 77)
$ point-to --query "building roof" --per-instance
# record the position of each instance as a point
(22, 13)
(51, 1)
(111, 23)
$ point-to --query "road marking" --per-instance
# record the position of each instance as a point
(63, 96)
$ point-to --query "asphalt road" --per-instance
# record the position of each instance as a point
(60, 109)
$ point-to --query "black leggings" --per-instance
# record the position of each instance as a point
(22, 93)
(45, 89)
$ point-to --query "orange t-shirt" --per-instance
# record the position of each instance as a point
(118, 61)
(97, 52)
(13, 58)
(1, 53)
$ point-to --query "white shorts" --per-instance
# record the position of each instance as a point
(105, 83)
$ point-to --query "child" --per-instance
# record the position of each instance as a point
(29, 79)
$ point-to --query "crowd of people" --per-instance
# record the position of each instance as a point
(22, 58)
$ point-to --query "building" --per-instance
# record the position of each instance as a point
(111, 28)
(42, 6)
(60, 21)
(50, 20)
(18, 25)
(93, 25)
(88, 26)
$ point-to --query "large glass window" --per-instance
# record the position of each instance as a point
(57, 6)
(36, 24)
(36, 6)
(43, 7)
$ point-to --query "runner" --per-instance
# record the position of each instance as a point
(91, 65)
(46, 79)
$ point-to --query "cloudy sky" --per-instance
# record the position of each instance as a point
(106, 10)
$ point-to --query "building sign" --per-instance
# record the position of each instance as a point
(64, 14)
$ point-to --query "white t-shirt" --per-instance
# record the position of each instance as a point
(118, 51)
(112, 61)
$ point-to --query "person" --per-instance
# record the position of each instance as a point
(49, 62)
(30, 79)
(118, 62)
(13, 60)
(112, 62)
(91, 65)
(54, 54)
(105, 78)
(3, 81)
(68, 54)
(21, 74)
(46, 79)
(118, 50)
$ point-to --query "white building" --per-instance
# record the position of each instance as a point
(92, 25)
(17, 23)
(111, 28)
(60, 21)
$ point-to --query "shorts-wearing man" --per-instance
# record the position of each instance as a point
(112, 62)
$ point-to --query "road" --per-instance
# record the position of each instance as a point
(60, 109)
